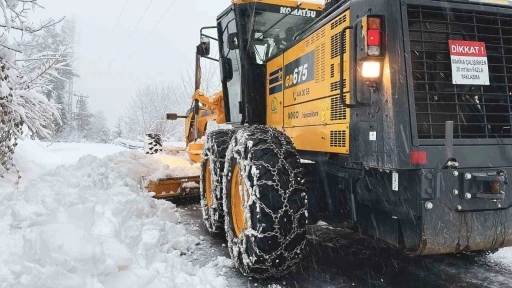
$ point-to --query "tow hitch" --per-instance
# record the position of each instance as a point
(480, 190)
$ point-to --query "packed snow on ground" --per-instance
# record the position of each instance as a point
(87, 224)
(503, 256)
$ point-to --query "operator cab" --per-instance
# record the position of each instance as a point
(251, 32)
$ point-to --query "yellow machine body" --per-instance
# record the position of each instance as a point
(304, 87)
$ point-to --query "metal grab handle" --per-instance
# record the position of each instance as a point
(342, 64)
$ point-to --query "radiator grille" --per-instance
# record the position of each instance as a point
(338, 138)
(317, 36)
(336, 44)
(338, 112)
(338, 22)
(482, 112)
(320, 63)
(335, 86)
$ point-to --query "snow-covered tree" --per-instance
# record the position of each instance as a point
(24, 111)
(48, 43)
(146, 112)
(118, 132)
(97, 130)
(210, 78)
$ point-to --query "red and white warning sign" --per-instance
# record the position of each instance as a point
(469, 62)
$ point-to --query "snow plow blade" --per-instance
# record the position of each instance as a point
(173, 187)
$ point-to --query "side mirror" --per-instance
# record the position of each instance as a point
(232, 41)
(171, 116)
(203, 49)
(226, 69)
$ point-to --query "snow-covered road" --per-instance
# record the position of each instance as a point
(79, 220)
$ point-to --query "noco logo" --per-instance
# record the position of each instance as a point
(273, 105)
(300, 70)
(293, 115)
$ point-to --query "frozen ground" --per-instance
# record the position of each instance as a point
(79, 220)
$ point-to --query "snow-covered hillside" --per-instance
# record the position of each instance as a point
(86, 224)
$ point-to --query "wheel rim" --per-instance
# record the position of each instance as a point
(237, 209)
(208, 185)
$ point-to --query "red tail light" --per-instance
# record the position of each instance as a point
(373, 36)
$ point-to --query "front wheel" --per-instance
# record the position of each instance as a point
(212, 167)
(265, 202)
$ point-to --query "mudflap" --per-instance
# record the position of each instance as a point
(470, 211)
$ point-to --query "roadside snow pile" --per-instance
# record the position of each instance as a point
(87, 225)
(34, 158)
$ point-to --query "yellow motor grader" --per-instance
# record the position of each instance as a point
(390, 117)
(204, 109)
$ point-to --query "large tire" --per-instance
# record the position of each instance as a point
(153, 143)
(212, 167)
(271, 239)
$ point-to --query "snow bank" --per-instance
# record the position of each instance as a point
(34, 158)
(88, 225)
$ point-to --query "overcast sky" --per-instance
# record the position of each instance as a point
(108, 74)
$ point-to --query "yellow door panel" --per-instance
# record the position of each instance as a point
(318, 112)
(328, 138)
(275, 93)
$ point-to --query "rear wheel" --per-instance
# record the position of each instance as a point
(212, 166)
(265, 202)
